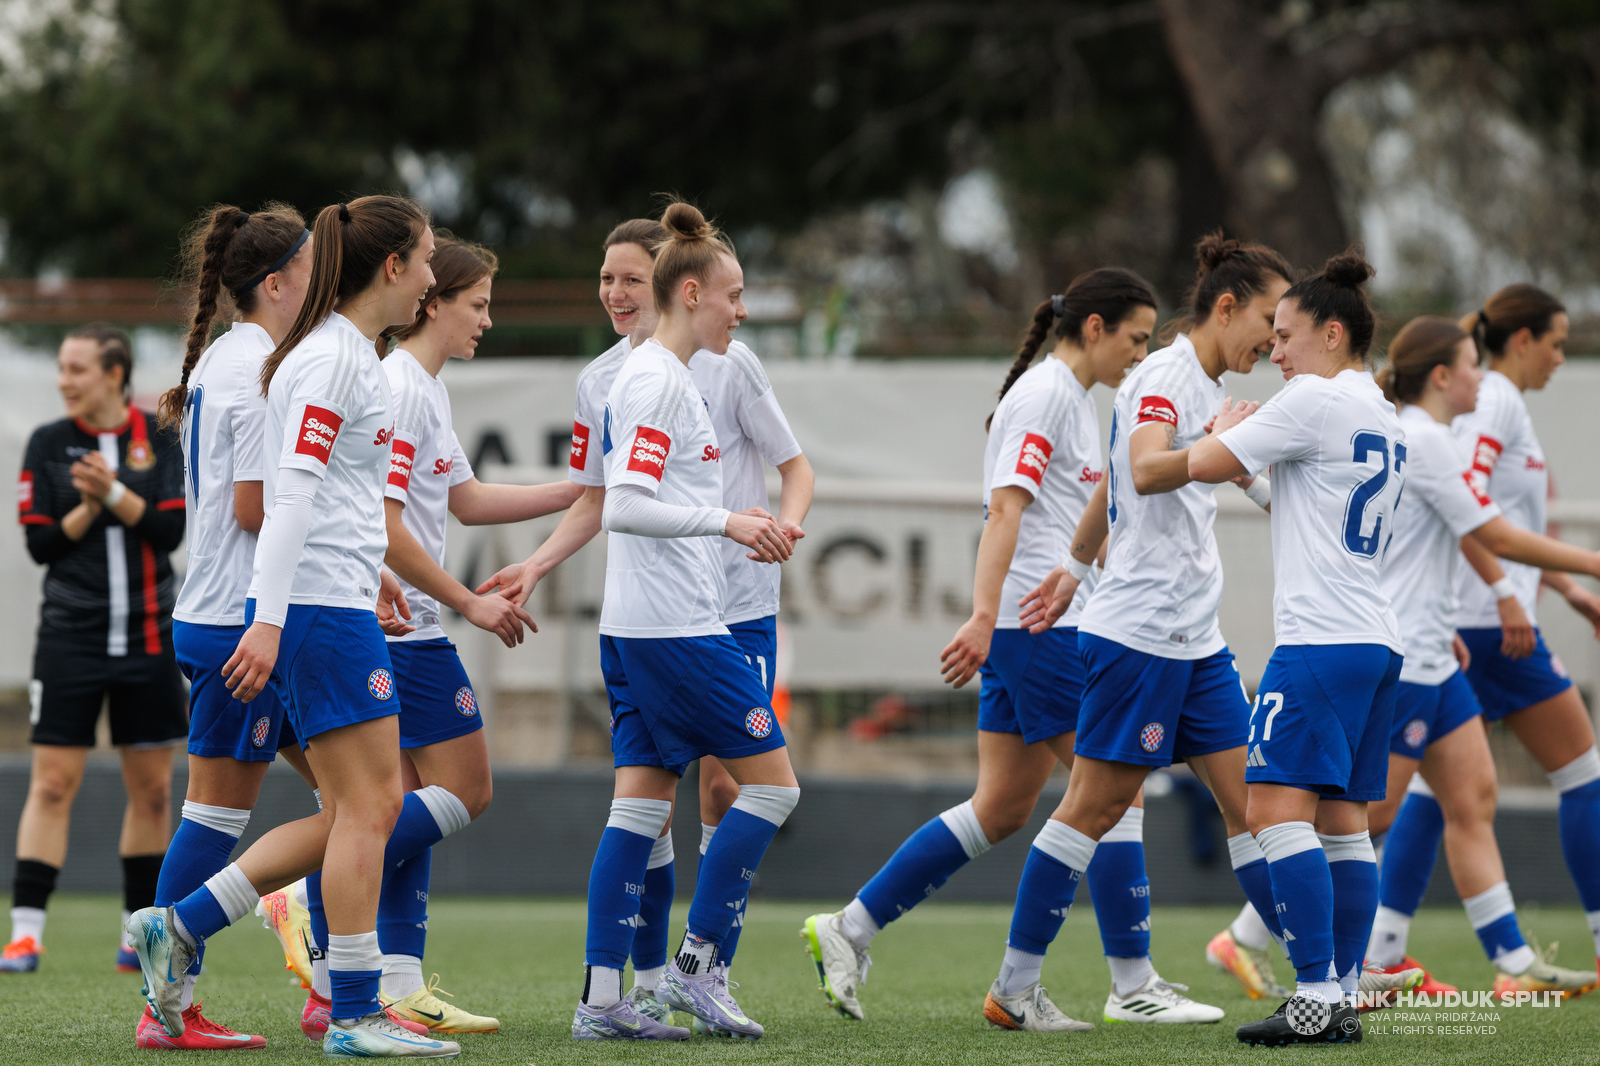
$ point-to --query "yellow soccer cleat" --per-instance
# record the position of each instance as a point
(1252, 968)
(282, 913)
(426, 1007)
(1545, 976)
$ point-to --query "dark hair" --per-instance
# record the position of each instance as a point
(233, 250)
(350, 243)
(1337, 294)
(688, 250)
(458, 265)
(1110, 292)
(1513, 308)
(115, 349)
(647, 233)
(1225, 265)
(1422, 344)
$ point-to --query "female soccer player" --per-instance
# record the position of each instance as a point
(1522, 330)
(1041, 467)
(1159, 680)
(678, 682)
(316, 576)
(1319, 730)
(446, 771)
(100, 500)
(1433, 376)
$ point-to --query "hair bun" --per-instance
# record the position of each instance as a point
(685, 222)
(1213, 249)
(1348, 269)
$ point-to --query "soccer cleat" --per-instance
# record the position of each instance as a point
(1545, 976)
(645, 1002)
(375, 1036)
(1029, 1011)
(127, 961)
(199, 1034)
(1160, 1001)
(314, 1019)
(282, 913)
(1430, 984)
(21, 956)
(425, 1006)
(164, 957)
(623, 1020)
(1384, 981)
(841, 966)
(699, 1026)
(706, 996)
(1251, 967)
(1304, 1020)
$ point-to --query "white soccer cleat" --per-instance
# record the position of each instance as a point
(841, 966)
(1029, 1011)
(1161, 1002)
(164, 957)
(374, 1036)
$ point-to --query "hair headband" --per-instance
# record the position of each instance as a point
(1058, 304)
(283, 259)
(1483, 316)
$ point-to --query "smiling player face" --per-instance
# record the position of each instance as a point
(719, 306)
(625, 289)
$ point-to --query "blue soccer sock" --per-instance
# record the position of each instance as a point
(1493, 914)
(1056, 863)
(655, 913)
(355, 967)
(1579, 817)
(1121, 891)
(1410, 851)
(1353, 871)
(226, 897)
(740, 842)
(922, 864)
(204, 840)
(616, 881)
(1303, 889)
(428, 816)
(403, 923)
(1250, 868)
(319, 935)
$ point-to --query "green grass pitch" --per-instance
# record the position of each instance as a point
(522, 961)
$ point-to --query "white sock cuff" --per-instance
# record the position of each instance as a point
(1419, 787)
(400, 963)
(1243, 850)
(1065, 844)
(770, 802)
(446, 808)
(233, 892)
(706, 833)
(1348, 847)
(1577, 773)
(1490, 905)
(962, 821)
(661, 852)
(228, 820)
(358, 952)
(1128, 830)
(646, 817)
(1280, 841)
(1592, 916)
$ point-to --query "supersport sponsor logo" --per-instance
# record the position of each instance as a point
(443, 466)
(580, 446)
(712, 454)
(1485, 454)
(384, 437)
(318, 430)
(1091, 477)
(1157, 409)
(402, 455)
(1034, 457)
(25, 491)
(1534, 463)
(648, 453)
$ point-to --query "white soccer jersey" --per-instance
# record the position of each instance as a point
(1508, 468)
(1437, 509)
(750, 428)
(1045, 440)
(425, 463)
(1163, 577)
(657, 435)
(221, 438)
(1338, 459)
(594, 384)
(328, 413)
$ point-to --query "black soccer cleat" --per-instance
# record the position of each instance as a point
(1304, 1020)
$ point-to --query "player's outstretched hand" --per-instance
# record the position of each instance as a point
(968, 651)
(515, 583)
(1232, 414)
(1587, 604)
(498, 615)
(249, 668)
(1517, 636)
(766, 541)
(394, 613)
(1043, 608)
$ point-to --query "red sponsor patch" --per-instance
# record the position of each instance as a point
(401, 455)
(25, 491)
(648, 453)
(580, 445)
(1485, 454)
(1034, 457)
(1157, 409)
(318, 430)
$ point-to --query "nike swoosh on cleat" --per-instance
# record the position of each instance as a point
(431, 1017)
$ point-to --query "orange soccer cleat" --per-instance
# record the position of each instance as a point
(314, 1019)
(199, 1034)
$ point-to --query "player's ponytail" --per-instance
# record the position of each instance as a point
(1338, 293)
(458, 265)
(1422, 344)
(1513, 308)
(351, 242)
(1225, 265)
(229, 250)
(1110, 292)
(689, 250)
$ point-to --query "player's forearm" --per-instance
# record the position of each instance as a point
(1089, 539)
(1531, 549)
(477, 504)
(995, 550)
(412, 564)
(799, 485)
(577, 528)
(76, 522)
(1484, 562)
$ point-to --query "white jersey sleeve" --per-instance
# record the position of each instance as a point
(457, 466)
(1286, 428)
(248, 419)
(587, 461)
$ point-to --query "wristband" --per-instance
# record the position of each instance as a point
(114, 497)
(1503, 589)
(1260, 492)
(1078, 570)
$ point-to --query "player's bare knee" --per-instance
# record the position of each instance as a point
(724, 791)
(53, 788)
